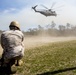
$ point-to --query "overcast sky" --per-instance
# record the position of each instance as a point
(20, 10)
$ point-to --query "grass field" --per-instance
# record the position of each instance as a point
(53, 59)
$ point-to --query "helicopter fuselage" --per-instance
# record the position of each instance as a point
(48, 13)
(45, 12)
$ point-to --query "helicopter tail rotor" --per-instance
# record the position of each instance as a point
(34, 7)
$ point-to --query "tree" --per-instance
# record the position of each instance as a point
(53, 24)
(40, 27)
(61, 27)
(68, 25)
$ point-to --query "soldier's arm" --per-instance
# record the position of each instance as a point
(2, 41)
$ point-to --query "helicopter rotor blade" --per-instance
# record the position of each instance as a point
(58, 7)
(58, 10)
(44, 6)
(53, 5)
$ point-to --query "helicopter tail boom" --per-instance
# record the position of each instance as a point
(34, 8)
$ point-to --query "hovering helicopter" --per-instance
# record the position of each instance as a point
(46, 12)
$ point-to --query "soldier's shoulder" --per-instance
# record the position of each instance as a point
(4, 32)
(20, 32)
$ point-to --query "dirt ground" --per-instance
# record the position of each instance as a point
(32, 42)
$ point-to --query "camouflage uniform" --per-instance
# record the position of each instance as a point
(12, 44)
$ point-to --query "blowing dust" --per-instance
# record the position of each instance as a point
(36, 41)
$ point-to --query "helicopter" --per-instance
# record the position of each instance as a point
(46, 12)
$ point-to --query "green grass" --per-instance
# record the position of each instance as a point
(52, 59)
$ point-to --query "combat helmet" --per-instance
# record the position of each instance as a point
(15, 23)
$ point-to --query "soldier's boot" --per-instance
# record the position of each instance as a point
(9, 67)
(19, 62)
(2, 62)
(9, 70)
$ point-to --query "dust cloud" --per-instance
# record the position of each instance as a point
(36, 41)
(32, 42)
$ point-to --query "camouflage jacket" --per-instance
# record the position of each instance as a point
(12, 43)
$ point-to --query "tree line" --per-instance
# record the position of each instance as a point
(53, 30)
